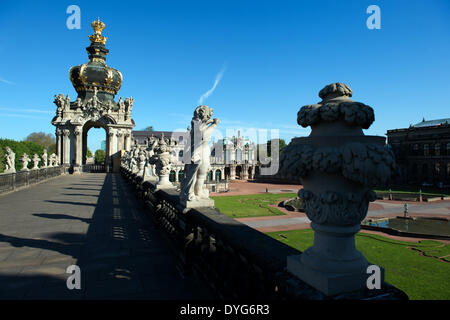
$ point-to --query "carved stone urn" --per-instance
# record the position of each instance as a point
(25, 160)
(337, 165)
(163, 161)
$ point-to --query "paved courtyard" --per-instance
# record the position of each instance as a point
(93, 221)
(299, 220)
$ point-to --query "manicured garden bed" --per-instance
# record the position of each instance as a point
(251, 205)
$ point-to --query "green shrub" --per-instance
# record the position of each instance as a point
(19, 148)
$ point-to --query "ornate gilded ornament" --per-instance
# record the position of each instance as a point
(98, 27)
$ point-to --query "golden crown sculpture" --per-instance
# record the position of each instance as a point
(98, 27)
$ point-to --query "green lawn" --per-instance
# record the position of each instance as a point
(252, 205)
(421, 277)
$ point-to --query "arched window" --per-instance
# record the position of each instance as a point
(180, 154)
(172, 176)
(218, 175)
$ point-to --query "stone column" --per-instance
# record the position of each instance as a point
(127, 141)
(112, 141)
(245, 172)
(232, 172)
(66, 146)
(337, 165)
(58, 145)
(176, 175)
(120, 143)
(78, 147)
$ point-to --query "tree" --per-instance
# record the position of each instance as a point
(150, 128)
(43, 139)
(268, 146)
(88, 153)
(100, 156)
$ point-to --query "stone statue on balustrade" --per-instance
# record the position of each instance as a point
(10, 161)
(150, 169)
(52, 160)
(25, 160)
(36, 160)
(141, 160)
(44, 159)
(163, 161)
(194, 192)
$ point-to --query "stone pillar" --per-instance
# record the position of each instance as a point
(222, 172)
(66, 146)
(112, 141)
(337, 165)
(58, 145)
(112, 147)
(120, 144)
(176, 175)
(127, 141)
(232, 172)
(78, 148)
(244, 172)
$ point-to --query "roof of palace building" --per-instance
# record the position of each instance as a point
(142, 135)
(432, 123)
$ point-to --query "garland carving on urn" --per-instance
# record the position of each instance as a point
(368, 164)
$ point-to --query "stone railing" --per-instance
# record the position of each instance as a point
(22, 179)
(237, 261)
(94, 168)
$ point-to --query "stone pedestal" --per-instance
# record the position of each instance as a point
(341, 269)
(199, 203)
(164, 183)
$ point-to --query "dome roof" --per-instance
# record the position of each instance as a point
(96, 73)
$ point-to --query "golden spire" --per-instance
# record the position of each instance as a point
(98, 27)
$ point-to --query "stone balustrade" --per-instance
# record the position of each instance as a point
(237, 261)
(22, 179)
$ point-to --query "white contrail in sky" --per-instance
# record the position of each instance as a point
(27, 110)
(210, 91)
(5, 81)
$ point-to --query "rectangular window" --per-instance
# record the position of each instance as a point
(437, 149)
(426, 150)
(437, 168)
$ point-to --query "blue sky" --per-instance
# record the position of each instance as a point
(275, 57)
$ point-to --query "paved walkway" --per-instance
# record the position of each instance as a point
(93, 221)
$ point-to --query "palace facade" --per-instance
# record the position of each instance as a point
(231, 158)
(422, 153)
